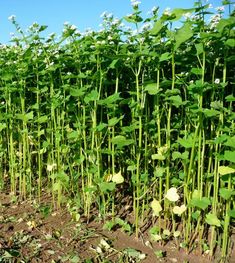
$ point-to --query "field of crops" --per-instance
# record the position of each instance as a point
(139, 117)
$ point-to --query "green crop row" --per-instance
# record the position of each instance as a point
(143, 116)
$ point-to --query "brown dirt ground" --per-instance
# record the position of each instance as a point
(33, 233)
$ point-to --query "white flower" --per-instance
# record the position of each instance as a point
(73, 27)
(104, 14)
(50, 167)
(135, 3)
(12, 18)
(219, 8)
(167, 11)
(172, 195)
(187, 15)
(178, 210)
(154, 9)
(217, 81)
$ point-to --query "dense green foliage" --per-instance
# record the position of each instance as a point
(145, 114)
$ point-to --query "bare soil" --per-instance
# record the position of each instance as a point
(30, 232)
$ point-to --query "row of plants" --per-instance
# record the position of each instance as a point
(142, 115)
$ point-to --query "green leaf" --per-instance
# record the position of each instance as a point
(223, 170)
(177, 13)
(92, 96)
(232, 213)
(183, 34)
(165, 56)
(157, 156)
(211, 113)
(152, 88)
(212, 220)
(110, 100)
(42, 119)
(202, 203)
(2, 126)
(230, 42)
(77, 92)
(114, 121)
(196, 71)
(25, 117)
(157, 27)
(230, 142)
(199, 48)
(229, 156)
(226, 193)
(176, 155)
(107, 186)
(186, 142)
(176, 100)
(120, 141)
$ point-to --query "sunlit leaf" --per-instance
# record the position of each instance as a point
(156, 206)
(183, 34)
(117, 178)
(213, 220)
(223, 170)
(172, 195)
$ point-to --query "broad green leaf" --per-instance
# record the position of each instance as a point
(232, 213)
(114, 63)
(77, 92)
(157, 27)
(196, 71)
(226, 193)
(212, 220)
(202, 203)
(73, 135)
(230, 42)
(25, 117)
(199, 48)
(107, 186)
(183, 34)
(159, 171)
(2, 126)
(230, 98)
(114, 121)
(165, 56)
(211, 113)
(42, 119)
(152, 88)
(176, 155)
(157, 156)
(176, 100)
(120, 141)
(177, 13)
(229, 156)
(186, 142)
(223, 170)
(101, 126)
(110, 100)
(92, 96)
(230, 142)
(196, 214)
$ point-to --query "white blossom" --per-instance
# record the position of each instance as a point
(135, 3)
(12, 18)
(217, 81)
(219, 8)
